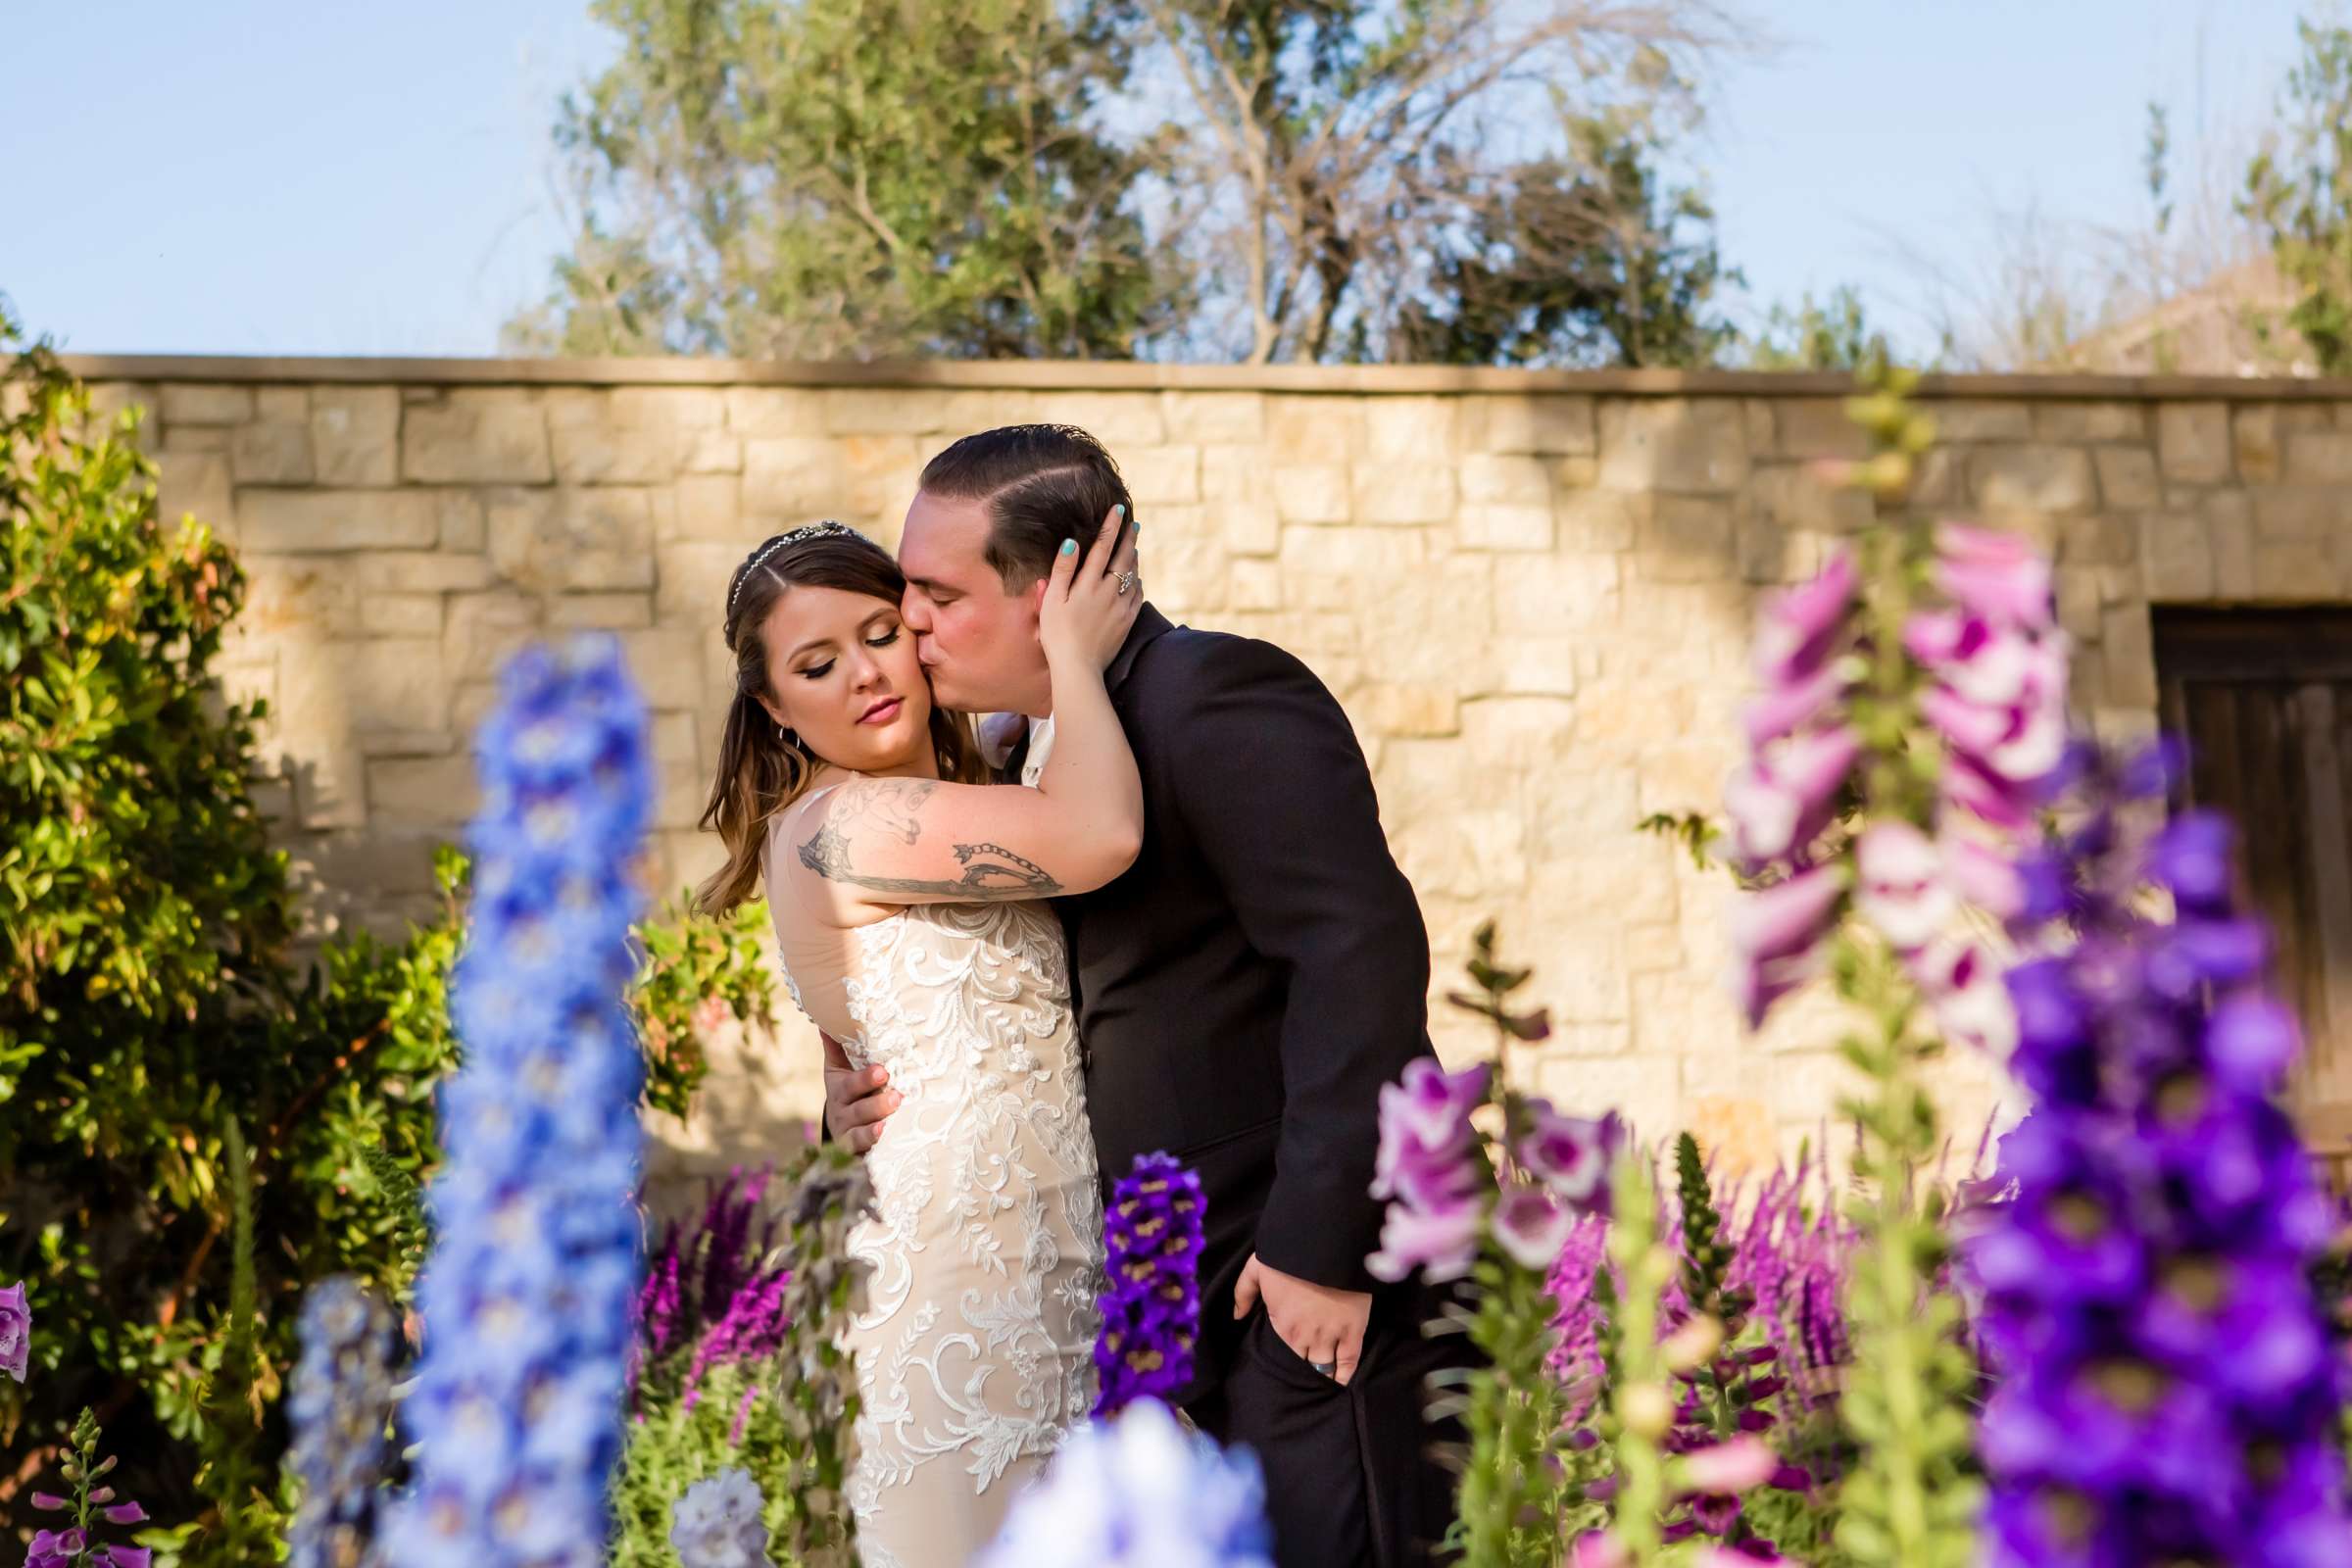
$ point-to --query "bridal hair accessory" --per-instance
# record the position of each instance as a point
(828, 529)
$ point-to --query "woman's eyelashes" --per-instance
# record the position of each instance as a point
(821, 671)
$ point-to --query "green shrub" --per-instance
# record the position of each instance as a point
(149, 992)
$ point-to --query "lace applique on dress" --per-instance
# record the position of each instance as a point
(976, 1351)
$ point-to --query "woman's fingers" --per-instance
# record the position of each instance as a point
(1064, 572)
(1106, 543)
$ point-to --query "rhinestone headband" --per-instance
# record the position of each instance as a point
(828, 529)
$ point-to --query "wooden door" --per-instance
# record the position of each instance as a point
(2264, 699)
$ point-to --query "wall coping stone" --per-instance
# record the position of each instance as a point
(1141, 376)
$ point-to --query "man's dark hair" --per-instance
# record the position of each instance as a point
(1041, 483)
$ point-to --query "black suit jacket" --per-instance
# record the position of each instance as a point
(1248, 986)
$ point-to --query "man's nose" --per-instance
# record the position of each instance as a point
(914, 612)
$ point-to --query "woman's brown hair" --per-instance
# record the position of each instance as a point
(761, 766)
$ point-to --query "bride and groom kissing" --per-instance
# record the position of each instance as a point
(1159, 915)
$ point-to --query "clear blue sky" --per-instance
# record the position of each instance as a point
(259, 176)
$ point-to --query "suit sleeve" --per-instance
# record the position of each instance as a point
(1275, 791)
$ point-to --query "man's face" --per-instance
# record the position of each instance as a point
(977, 640)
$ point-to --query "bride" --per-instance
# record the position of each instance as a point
(904, 889)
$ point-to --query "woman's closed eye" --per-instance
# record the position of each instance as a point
(821, 671)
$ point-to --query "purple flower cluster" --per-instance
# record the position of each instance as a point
(1790, 1247)
(1151, 1304)
(527, 1297)
(85, 1471)
(2167, 1391)
(709, 1298)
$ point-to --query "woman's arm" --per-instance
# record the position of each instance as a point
(893, 841)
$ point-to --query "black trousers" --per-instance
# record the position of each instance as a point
(1352, 1475)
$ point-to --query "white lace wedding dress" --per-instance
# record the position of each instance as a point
(975, 1351)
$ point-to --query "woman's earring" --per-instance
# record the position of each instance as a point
(783, 734)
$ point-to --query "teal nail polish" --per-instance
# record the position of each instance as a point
(1120, 510)
(1069, 547)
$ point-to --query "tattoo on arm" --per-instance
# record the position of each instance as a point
(887, 806)
(991, 871)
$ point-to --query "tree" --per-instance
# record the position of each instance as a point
(1832, 334)
(850, 179)
(2299, 192)
(1578, 258)
(1328, 144)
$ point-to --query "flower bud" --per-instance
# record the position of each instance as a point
(1647, 1410)
(1692, 1343)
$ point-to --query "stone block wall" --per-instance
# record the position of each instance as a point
(1530, 590)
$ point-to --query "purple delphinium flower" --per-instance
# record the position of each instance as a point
(1151, 1302)
(527, 1298)
(2165, 1390)
(16, 1332)
(339, 1403)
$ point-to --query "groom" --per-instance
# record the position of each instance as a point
(1243, 993)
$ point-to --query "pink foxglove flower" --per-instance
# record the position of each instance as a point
(1532, 1227)
(1781, 710)
(1902, 889)
(1774, 932)
(1787, 794)
(15, 1331)
(1798, 628)
(1963, 986)
(1571, 1155)
(1980, 877)
(1997, 576)
(1425, 1168)
(1441, 1243)
(1740, 1465)
(1424, 1134)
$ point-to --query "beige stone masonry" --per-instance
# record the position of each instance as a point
(1530, 590)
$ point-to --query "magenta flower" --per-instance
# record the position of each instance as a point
(1964, 988)
(1424, 1134)
(1982, 878)
(1798, 628)
(1570, 1156)
(1774, 932)
(1531, 1227)
(1425, 1168)
(1901, 888)
(2000, 576)
(1740, 1465)
(15, 1331)
(1787, 794)
(1442, 1243)
(1781, 710)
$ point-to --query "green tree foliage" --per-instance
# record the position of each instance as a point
(1832, 334)
(1582, 258)
(850, 179)
(149, 992)
(1247, 179)
(2299, 194)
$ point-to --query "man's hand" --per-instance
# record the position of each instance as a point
(857, 1100)
(1321, 1324)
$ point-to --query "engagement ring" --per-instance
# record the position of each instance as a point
(1126, 581)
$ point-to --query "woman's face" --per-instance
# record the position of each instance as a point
(844, 677)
